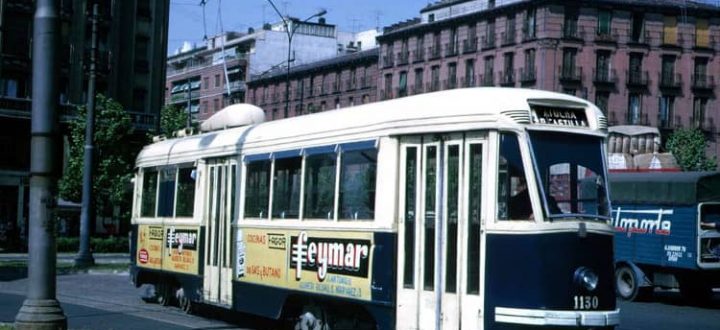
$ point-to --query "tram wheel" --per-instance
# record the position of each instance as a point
(626, 283)
(163, 293)
(185, 304)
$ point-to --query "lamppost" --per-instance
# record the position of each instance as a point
(290, 30)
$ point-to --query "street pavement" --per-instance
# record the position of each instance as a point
(100, 258)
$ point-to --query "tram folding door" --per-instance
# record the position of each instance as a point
(219, 212)
(439, 260)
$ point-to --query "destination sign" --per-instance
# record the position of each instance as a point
(559, 116)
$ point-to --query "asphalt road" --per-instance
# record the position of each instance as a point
(109, 301)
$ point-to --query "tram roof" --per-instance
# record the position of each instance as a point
(444, 111)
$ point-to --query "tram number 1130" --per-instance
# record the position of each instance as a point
(586, 302)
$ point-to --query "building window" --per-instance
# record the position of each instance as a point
(604, 22)
(452, 76)
(418, 87)
(509, 35)
(469, 80)
(637, 27)
(337, 103)
(419, 49)
(601, 101)
(570, 29)
(402, 84)
(700, 78)
(351, 101)
(217, 80)
(528, 73)
(670, 30)
(665, 113)
(699, 107)
(702, 33)
(634, 109)
(508, 69)
(205, 106)
(568, 64)
(387, 93)
(216, 105)
(529, 24)
(668, 71)
(206, 83)
(435, 78)
(489, 71)
(602, 66)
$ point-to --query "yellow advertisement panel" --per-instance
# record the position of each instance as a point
(181, 249)
(332, 263)
(171, 248)
(149, 246)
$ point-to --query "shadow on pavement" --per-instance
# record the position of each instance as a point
(12, 273)
(673, 297)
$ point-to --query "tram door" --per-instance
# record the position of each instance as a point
(440, 232)
(219, 212)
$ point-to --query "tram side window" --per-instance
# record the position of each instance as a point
(185, 192)
(357, 184)
(320, 186)
(257, 189)
(513, 197)
(149, 194)
(286, 188)
(166, 194)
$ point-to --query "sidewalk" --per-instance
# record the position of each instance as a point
(69, 257)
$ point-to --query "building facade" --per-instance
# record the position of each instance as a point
(643, 62)
(342, 81)
(200, 74)
(130, 66)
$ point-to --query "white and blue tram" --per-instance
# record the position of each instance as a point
(481, 208)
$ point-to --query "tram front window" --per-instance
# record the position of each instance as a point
(571, 170)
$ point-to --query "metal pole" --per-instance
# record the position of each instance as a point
(41, 310)
(84, 257)
(287, 77)
(189, 105)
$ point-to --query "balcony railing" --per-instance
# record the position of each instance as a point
(418, 55)
(570, 74)
(468, 81)
(507, 78)
(487, 79)
(364, 83)
(417, 89)
(607, 36)
(637, 78)
(470, 45)
(403, 58)
(450, 83)
(672, 39)
(703, 82)
(433, 86)
(604, 76)
(434, 52)
(572, 32)
(527, 75)
(386, 94)
(670, 80)
(401, 91)
(237, 86)
(350, 84)
(508, 37)
(642, 39)
(388, 61)
(488, 42)
(451, 49)
(183, 96)
(708, 44)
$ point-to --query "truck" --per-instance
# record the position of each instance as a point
(667, 233)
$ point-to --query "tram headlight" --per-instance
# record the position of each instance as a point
(586, 278)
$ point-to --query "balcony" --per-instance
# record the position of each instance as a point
(508, 38)
(488, 42)
(433, 86)
(470, 45)
(386, 94)
(364, 83)
(237, 86)
(639, 119)
(23, 107)
(665, 122)
(183, 96)
(434, 53)
(350, 84)
(607, 36)
(467, 81)
(451, 49)
(571, 32)
(604, 77)
(403, 58)
(487, 79)
(672, 40)
(640, 40)
(450, 83)
(670, 81)
(570, 74)
(705, 44)
(527, 75)
(401, 91)
(388, 61)
(417, 89)
(507, 78)
(335, 87)
(418, 55)
(637, 78)
(703, 83)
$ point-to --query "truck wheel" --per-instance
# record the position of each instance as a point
(695, 290)
(627, 284)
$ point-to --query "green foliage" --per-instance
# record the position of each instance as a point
(688, 147)
(172, 119)
(98, 245)
(114, 155)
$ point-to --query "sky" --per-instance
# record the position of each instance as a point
(187, 24)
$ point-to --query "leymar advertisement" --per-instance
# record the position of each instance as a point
(331, 263)
(170, 248)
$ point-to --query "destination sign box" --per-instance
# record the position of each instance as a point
(559, 116)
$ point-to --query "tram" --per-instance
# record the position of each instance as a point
(477, 208)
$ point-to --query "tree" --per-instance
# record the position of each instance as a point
(113, 157)
(688, 147)
(172, 119)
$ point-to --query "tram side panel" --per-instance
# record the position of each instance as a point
(168, 253)
(278, 266)
(539, 272)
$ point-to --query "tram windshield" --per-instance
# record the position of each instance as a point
(571, 170)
